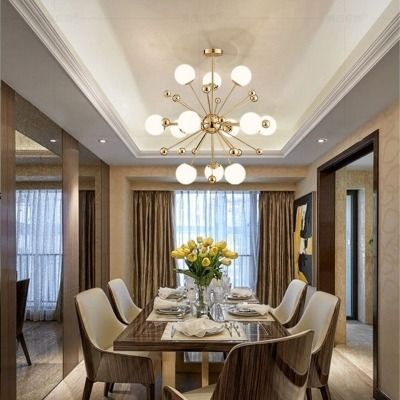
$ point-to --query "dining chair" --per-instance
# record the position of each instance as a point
(273, 369)
(320, 315)
(22, 296)
(98, 328)
(288, 311)
(124, 307)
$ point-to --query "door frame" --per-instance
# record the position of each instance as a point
(326, 186)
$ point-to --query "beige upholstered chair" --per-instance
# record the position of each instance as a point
(288, 311)
(125, 309)
(273, 369)
(320, 315)
(99, 327)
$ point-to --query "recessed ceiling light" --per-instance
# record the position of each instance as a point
(53, 140)
(102, 141)
(322, 140)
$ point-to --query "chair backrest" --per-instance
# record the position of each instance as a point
(272, 369)
(124, 307)
(22, 296)
(320, 315)
(99, 324)
(288, 311)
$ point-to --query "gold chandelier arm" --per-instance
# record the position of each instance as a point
(197, 97)
(208, 101)
(184, 139)
(227, 142)
(237, 105)
(241, 141)
(212, 149)
(222, 143)
(212, 85)
(196, 149)
(187, 106)
(226, 99)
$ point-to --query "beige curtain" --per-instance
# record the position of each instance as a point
(275, 257)
(153, 240)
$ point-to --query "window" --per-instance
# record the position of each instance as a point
(230, 216)
(39, 249)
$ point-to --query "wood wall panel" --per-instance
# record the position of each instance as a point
(8, 246)
(71, 341)
(105, 225)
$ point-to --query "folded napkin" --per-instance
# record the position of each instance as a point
(262, 309)
(165, 292)
(160, 304)
(242, 292)
(199, 327)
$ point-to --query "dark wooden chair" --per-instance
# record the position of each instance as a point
(99, 327)
(268, 370)
(321, 315)
(288, 312)
(22, 296)
(124, 307)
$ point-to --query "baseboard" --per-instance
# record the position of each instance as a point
(378, 395)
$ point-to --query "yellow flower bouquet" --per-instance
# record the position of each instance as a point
(204, 259)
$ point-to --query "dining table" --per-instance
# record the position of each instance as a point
(152, 332)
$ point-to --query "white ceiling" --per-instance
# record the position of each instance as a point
(122, 55)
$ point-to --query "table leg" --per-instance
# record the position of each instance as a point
(204, 369)
(168, 368)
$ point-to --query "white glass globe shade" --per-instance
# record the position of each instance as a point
(184, 74)
(241, 75)
(153, 125)
(235, 128)
(176, 132)
(185, 174)
(189, 122)
(217, 79)
(235, 174)
(217, 172)
(272, 126)
(250, 123)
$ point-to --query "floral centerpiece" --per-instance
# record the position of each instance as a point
(205, 260)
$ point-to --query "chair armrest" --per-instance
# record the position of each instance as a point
(124, 368)
(172, 394)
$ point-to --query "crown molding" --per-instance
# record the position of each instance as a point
(40, 22)
(375, 52)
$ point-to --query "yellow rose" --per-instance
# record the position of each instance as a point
(226, 261)
(205, 262)
(174, 253)
(224, 251)
(209, 241)
(203, 251)
(200, 239)
(213, 251)
(191, 244)
(192, 257)
(180, 254)
(221, 245)
(235, 255)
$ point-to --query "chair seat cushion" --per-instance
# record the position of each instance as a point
(203, 393)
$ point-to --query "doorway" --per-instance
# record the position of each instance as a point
(329, 274)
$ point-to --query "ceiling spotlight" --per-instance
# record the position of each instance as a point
(322, 140)
(53, 140)
(102, 141)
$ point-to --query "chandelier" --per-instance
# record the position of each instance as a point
(213, 123)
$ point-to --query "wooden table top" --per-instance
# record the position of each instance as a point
(142, 335)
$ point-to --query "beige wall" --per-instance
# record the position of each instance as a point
(389, 237)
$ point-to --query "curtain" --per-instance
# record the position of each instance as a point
(153, 241)
(275, 256)
(230, 216)
(86, 239)
(39, 249)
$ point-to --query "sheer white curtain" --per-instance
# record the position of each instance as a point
(39, 249)
(230, 216)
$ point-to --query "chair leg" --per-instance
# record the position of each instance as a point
(106, 389)
(151, 392)
(87, 389)
(111, 387)
(21, 339)
(308, 394)
(326, 395)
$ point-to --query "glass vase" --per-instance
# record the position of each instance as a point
(201, 304)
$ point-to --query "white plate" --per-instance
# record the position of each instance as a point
(243, 312)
